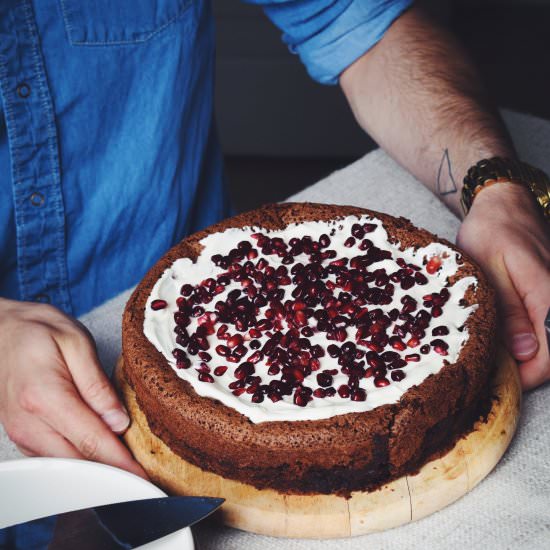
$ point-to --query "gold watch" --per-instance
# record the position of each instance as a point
(503, 170)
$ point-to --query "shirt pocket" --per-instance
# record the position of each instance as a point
(118, 22)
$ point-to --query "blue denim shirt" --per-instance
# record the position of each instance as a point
(108, 149)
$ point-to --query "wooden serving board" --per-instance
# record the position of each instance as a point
(439, 483)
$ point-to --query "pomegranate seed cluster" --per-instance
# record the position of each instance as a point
(311, 318)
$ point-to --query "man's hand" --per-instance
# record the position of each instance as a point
(55, 399)
(509, 239)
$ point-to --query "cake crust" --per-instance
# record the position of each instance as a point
(355, 451)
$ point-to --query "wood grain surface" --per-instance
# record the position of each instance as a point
(439, 483)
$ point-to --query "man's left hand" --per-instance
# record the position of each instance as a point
(510, 240)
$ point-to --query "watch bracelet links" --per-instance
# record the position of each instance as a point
(499, 170)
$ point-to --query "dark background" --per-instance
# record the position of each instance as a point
(281, 131)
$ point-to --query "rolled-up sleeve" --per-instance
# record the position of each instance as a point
(329, 35)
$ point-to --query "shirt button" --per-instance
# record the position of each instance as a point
(42, 298)
(23, 90)
(37, 199)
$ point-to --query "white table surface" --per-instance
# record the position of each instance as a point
(511, 507)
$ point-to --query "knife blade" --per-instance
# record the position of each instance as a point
(547, 328)
(111, 526)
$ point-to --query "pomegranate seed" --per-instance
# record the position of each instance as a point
(357, 231)
(238, 391)
(440, 331)
(274, 396)
(324, 379)
(397, 343)
(381, 382)
(437, 311)
(379, 372)
(181, 319)
(445, 294)
(220, 371)
(440, 346)
(183, 363)
(425, 349)
(186, 290)
(358, 394)
(178, 354)
(317, 351)
(222, 350)
(301, 399)
(273, 370)
(298, 375)
(205, 377)
(257, 397)
(349, 242)
(255, 357)
(314, 364)
(407, 282)
(375, 361)
(319, 393)
(340, 334)
(240, 351)
(333, 350)
(433, 264)
(197, 311)
(264, 324)
(203, 343)
(205, 356)
(343, 391)
(244, 370)
(158, 304)
(324, 240)
(373, 346)
(234, 341)
(413, 342)
(420, 279)
(397, 375)
(365, 244)
(203, 368)
(389, 356)
(413, 357)
(300, 318)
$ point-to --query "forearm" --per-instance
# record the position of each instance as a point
(420, 98)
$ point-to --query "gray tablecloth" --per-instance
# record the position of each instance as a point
(511, 507)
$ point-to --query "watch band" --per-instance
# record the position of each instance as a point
(502, 170)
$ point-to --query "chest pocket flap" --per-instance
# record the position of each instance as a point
(118, 22)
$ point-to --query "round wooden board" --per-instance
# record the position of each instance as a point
(439, 483)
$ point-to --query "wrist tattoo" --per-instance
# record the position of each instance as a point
(445, 184)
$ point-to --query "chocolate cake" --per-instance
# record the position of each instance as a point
(311, 348)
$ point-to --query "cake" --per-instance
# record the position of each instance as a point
(311, 349)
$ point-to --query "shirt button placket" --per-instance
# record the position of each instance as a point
(32, 135)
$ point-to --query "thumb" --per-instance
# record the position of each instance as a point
(520, 336)
(91, 381)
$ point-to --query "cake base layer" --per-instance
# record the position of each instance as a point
(268, 512)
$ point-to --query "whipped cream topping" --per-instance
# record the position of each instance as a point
(159, 323)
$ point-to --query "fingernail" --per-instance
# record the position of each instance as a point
(117, 419)
(524, 344)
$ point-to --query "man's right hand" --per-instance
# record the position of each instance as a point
(55, 399)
